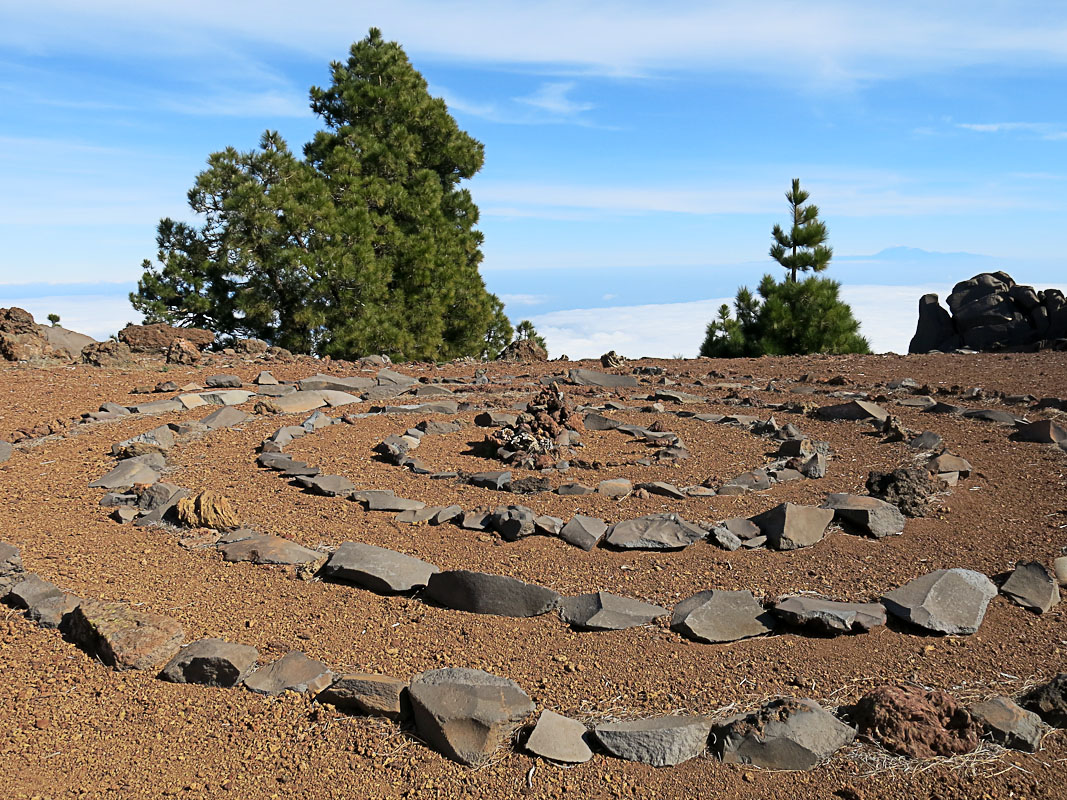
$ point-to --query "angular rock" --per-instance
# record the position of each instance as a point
(157, 440)
(654, 532)
(267, 549)
(446, 514)
(1043, 431)
(1010, 725)
(388, 377)
(718, 615)
(417, 516)
(211, 662)
(574, 490)
(662, 489)
(380, 501)
(123, 638)
(547, 525)
(1032, 586)
(490, 480)
(828, 616)
(369, 694)
(226, 397)
(352, 384)
(331, 485)
(466, 714)
(949, 601)
(512, 522)
(475, 520)
(853, 410)
(603, 611)
(125, 475)
(295, 403)
(616, 488)
(207, 509)
(865, 515)
(584, 532)
(293, 672)
(44, 602)
(377, 569)
(789, 526)
(926, 441)
(588, 377)
(598, 422)
(225, 417)
(559, 738)
(787, 733)
(223, 382)
(481, 593)
(264, 378)
(659, 741)
(1049, 701)
(914, 723)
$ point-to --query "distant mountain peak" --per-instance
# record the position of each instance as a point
(904, 253)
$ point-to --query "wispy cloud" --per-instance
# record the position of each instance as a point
(268, 103)
(523, 299)
(1050, 131)
(552, 97)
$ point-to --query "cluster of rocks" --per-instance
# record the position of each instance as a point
(991, 312)
(542, 433)
(22, 339)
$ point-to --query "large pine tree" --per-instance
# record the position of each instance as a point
(367, 245)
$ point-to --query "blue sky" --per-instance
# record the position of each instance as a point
(636, 153)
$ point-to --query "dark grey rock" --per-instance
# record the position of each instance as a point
(512, 522)
(788, 734)
(354, 384)
(490, 480)
(950, 601)
(1010, 725)
(584, 532)
(588, 377)
(789, 526)
(1032, 586)
(559, 738)
(466, 714)
(446, 514)
(1049, 701)
(598, 422)
(475, 520)
(331, 485)
(853, 410)
(225, 417)
(495, 419)
(662, 489)
(293, 672)
(1043, 431)
(370, 694)
(546, 525)
(223, 382)
(377, 569)
(654, 532)
(660, 741)
(865, 515)
(828, 616)
(926, 441)
(418, 516)
(603, 611)
(718, 615)
(574, 489)
(127, 473)
(379, 501)
(212, 662)
(481, 593)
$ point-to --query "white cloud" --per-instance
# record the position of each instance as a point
(523, 299)
(1049, 131)
(552, 97)
(270, 103)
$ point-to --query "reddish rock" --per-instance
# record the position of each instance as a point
(107, 354)
(917, 724)
(182, 351)
(523, 350)
(21, 338)
(123, 638)
(157, 338)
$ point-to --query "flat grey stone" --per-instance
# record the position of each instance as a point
(950, 601)
(223, 382)
(331, 485)
(211, 662)
(574, 489)
(418, 516)
(663, 489)
(301, 402)
(475, 520)
(446, 514)
(367, 693)
(598, 422)
(481, 593)
(926, 441)
(718, 615)
(495, 419)
(588, 377)
(756, 480)
(388, 377)
(724, 538)
(226, 397)
(603, 611)
(6, 449)
(559, 738)
(584, 532)
(380, 501)
(512, 522)
(159, 510)
(490, 480)
(1032, 586)
(1010, 725)
(157, 440)
(789, 526)
(377, 569)
(866, 515)
(264, 378)
(466, 714)
(946, 462)
(681, 398)
(156, 407)
(660, 741)
(828, 616)
(654, 532)
(334, 383)
(293, 672)
(853, 410)
(10, 560)
(127, 473)
(616, 488)
(789, 734)
(225, 417)
(432, 427)
(267, 549)
(548, 525)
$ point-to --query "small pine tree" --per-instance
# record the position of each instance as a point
(803, 248)
(54, 319)
(526, 330)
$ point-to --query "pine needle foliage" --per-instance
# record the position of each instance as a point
(804, 247)
(367, 244)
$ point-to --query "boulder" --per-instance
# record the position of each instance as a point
(603, 611)
(934, 330)
(62, 339)
(584, 532)
(123, 638)
(1010, 725)
(293, 403)
(157, 338)
(182, 351)
(853, 410)
(207, 509)
(251, 347)
(212, 662)
(1032, 586)
(1043, 431)
(22, 339)
(481, 593)
(949, 601)
(787, 733)
(466, 714)
(588, 377)
(377, 569)
(560, 739)
(659, 741)
(654, 532)
(865, 515)
(107, 354)
(789, 526)
(523, 350)
(828, 616)
(512, 522)
(1049, 701)
(719, 615)
(911, 722)
(267, 549)
(293, 672)
(369, 694)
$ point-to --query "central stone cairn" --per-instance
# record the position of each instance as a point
(544, 431)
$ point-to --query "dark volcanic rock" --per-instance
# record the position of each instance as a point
(949, 601)
(212, 662)
(659, 741)
(1049, 701)
(827, 616)
(1032, 586)
(654, 532)
(363, 693)
(1009, 724)
(789, 526)
(481, 593)
(868, 516)
(909, 489)
(293, 672)
(603, 611)
(718, 615)
(786, 733)
(377, 569)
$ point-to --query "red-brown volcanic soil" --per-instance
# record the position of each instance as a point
(69, 727)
